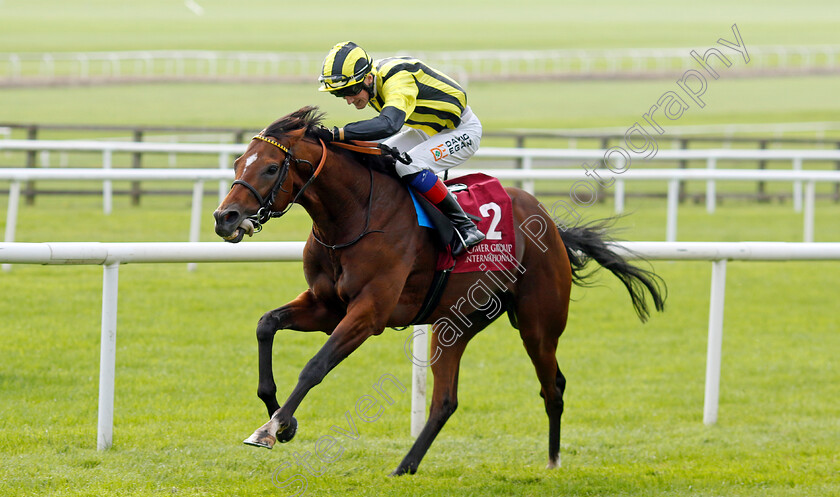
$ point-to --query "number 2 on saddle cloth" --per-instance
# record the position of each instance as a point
(485, 200)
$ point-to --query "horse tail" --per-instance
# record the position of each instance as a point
(590, 241)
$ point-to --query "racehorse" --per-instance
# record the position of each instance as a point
(368, 266)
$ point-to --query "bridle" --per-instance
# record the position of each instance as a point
(264, 213)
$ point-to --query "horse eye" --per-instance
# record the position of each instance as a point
(272, 169)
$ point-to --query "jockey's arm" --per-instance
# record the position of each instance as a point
(387, 123)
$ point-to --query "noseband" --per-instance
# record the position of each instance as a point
(265, 212)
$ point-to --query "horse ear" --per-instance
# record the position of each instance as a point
(294, 136)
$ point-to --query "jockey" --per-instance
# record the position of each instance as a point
(442, 132)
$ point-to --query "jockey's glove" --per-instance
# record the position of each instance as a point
(326, 134)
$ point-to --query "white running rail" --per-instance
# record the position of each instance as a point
(111, 255)
(673, 177)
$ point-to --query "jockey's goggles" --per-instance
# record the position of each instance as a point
(348, 91)
(337, 82)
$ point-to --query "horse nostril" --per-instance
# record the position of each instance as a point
(226, 217)
(231, 217)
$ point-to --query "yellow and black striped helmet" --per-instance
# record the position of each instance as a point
(345, 65)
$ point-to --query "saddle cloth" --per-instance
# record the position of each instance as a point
(482, 197)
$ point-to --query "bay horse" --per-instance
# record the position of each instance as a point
(368, 266)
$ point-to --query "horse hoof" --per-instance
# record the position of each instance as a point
(260, 438)
(403, 470)
(289, 433)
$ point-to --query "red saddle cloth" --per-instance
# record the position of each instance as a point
(484, 197)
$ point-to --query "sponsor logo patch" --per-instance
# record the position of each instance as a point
(451, 146)
(440, 152)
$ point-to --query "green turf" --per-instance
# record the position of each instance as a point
(266, 26)
(501, 105)
(471, 24)
(186, 376)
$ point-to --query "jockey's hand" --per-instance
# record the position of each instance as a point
(325, 134)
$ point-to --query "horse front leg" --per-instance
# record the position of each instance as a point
(305, 313)
(349, 334)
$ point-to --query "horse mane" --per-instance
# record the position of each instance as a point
(310, 117)
(305, 117)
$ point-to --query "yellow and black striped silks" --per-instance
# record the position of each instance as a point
(431, 100)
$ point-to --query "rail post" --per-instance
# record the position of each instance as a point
(711, 190)
(420, 350)
(521, 161)
(223, 185)
(619, 196)
(601, 191)
(29, 191)
(837, 185)
(683, 164)
(195, 217)
(762, 164)
(107, 185)
(810, 193)
(797, 186)
(11, 217)
(136, 163)
(715, 345)
(107, 357)
(673, 205)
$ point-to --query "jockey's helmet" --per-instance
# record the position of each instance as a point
(345, 66)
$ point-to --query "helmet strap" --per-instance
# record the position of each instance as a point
(371, 89)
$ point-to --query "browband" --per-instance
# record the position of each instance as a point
(271, 141)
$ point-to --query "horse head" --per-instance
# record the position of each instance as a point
(269, 178)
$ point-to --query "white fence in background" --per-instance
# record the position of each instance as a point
(526, 157)
(465, 65)
(111, 255)
(673, 176)
(744, 130)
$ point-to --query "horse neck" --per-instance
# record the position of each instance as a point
(338, 199)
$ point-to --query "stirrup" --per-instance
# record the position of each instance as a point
(460, 245)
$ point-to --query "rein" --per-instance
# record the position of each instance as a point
(264, 214)
(369, 148)
(364, 230)
(374, 148)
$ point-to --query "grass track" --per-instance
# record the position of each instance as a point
(51, 25)
(500, 105)
(186, 376)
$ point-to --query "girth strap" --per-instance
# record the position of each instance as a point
(432, 296)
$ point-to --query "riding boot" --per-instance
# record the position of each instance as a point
(466, 231)
(432, 188)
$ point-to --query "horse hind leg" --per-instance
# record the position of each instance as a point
(541, 346)
(554, 410)
(553, 402)
(444, 394)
